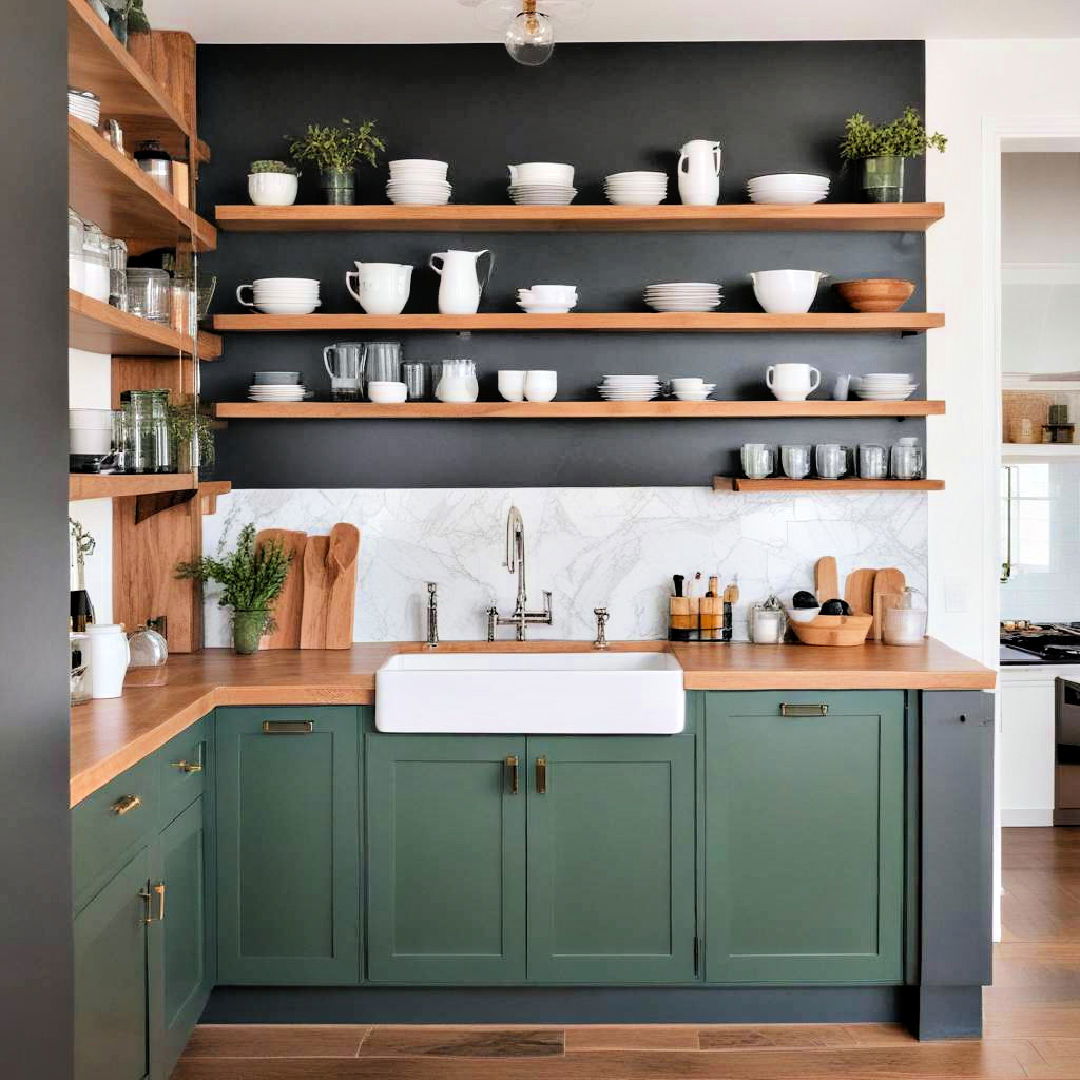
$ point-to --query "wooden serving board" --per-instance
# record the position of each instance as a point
(316, 593)
(859, 591)
(289, 606)
(341, 577)
(888, 583)
(825, 580)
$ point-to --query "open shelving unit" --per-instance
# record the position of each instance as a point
(819, 217)
(87, 486)
(906, 322)
(574, 410)
(782, 483)
(102, 328)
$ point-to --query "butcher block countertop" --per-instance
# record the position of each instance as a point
(112, 734)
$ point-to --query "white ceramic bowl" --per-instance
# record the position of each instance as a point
(387, 393)
(786, 292)
(803, 615)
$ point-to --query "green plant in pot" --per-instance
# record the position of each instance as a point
(883, 149)
(335, 151)
(251, 578)
(272, 183)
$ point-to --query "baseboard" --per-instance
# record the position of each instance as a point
(1026, 819)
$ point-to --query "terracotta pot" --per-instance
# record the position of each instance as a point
(876, 294)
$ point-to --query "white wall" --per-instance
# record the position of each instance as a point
(973, 89)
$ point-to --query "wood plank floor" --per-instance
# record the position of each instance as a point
(1032, 1022)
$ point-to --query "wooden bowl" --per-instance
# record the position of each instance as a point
(876, 294)
(843, 630)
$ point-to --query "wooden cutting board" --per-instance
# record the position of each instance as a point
(289, 606)
(341, 577)
(316, 593)
(825, 581)
(859, 591)
(887, 583)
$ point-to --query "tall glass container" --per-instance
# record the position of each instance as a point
(148, 445)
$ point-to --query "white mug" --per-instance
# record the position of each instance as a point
(512, 385)
(792, 382)
(541, 385)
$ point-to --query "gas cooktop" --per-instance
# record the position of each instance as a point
(1050, 643)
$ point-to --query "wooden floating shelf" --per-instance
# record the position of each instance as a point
(108, 188)
(98, 62)
(626, 321)
(820, 217)
(574, 410)
(92, 486)
(1039, 452)
(736, 483)
(102, 328)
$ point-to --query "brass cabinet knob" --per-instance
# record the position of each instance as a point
(125, 804)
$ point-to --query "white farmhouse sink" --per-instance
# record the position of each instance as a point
(572, 693)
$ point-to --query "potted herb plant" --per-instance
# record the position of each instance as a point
(883, 149)
(335, 151)
(252, 579)
(272, 183)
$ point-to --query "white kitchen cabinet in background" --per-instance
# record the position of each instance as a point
(1026, 744)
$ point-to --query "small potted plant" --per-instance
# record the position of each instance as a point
(883, 148)
(272, 183)
(252, 579)
(335, 151)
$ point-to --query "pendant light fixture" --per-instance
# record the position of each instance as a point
(528, 26)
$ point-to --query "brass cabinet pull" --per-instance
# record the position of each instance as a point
(803, 710)
(188, 766)
(159, 888)
(125, 804)
(146, 896)
(541, 775)
(288, 727)
(512, 768)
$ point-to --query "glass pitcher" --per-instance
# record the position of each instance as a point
(344, 363)
(383, 363)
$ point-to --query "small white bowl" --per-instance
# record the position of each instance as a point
(803, 615)
(387, 393)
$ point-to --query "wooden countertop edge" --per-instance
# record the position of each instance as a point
(702, 670)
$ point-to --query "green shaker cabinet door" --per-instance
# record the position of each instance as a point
(288, 846)
(446, 859)
(804, 841)
(611, 859)
(112, 988)
(182, 941)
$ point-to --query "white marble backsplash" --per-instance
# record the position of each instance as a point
(591, 547)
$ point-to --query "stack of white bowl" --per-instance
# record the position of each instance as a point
(683, 296)
(84, 105)
(282, 295)
(884, 386)
(276, 386)
(691, 389)
(788, 188)
(418, 182)
(636, 188)
(548, 299)
(541, 183)
(629, 387)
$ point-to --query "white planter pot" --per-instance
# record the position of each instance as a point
(272, 189)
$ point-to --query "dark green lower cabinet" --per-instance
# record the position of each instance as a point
(113, 989)
(446, 859)
(804, 837)
(611, 859)
(182, 944)
(288, 846)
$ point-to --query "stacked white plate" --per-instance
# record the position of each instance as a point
(636, 188)
(788, 188)
(418, 182)
(276, 392)
(84, 105)
(683, 296)
(285, 296)
(884, 386)
(629, 387)
(542, 194)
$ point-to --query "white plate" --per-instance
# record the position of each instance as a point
(543, 309)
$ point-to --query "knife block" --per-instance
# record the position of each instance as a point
(683, 618)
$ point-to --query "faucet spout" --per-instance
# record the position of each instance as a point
(514, 561)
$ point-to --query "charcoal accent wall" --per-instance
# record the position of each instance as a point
(606, 108)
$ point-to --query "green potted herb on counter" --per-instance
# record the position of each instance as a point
(253, 578)
(883, 149)
(272, 183)
(335, 151)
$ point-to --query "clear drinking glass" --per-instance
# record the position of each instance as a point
(795, 461)
(830, 461)
(118, 288)
(415, 378)
(873, 462)
(383, 362)
(148, 294)
(758, 460)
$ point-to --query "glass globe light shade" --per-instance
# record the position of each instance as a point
(530, 38)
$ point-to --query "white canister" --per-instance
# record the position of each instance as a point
(109, 656)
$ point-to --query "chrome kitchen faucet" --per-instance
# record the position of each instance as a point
(515, 564)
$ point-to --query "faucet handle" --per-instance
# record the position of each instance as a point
(432, 588)
(602, 617)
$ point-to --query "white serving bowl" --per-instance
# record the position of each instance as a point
(786, 292)
(387, 393)
(803, 615)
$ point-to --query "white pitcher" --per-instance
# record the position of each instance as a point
(381, 288)
(699, 173)
(461, 285)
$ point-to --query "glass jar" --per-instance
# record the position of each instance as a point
(457, 382)
(149, 654)
(182, 306)
(148, 294)
(905, 623)
(766, 622)
(155, 162)
(146, 439)
(75, 251)
(95, 260)
(118, 289)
